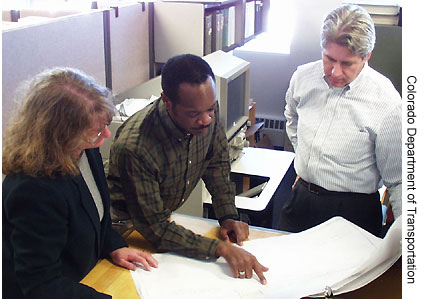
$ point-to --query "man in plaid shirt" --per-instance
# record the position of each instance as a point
(159, 155)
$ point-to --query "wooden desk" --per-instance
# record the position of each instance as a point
(118, 282)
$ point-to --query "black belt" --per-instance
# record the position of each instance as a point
(316, 189)
(313, 188)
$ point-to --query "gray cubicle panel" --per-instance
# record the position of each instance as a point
(129, 35)
(28, 12)
(6, 16)
(170, 21)
(73, 41)
(387, 55)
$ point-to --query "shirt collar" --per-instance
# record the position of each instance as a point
(357, 81)
(168, 122)
(353, 84)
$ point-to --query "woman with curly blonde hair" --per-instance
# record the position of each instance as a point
(51, 125)
(56, 206)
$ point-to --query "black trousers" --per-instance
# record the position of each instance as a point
(307, 209)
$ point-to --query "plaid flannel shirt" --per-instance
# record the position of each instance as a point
(153, 168)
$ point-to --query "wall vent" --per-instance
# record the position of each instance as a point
(275, 124)
(276, 131)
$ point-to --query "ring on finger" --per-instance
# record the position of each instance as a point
(242, 272)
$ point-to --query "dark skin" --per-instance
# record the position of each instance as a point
(193, 114)
(241, 262)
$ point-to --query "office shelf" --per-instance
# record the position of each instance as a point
(202, 27)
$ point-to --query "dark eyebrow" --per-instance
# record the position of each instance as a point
(346, 62)
(196, 111)
(330, 58)
(211, 107)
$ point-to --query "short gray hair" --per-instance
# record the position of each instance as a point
(350, 26)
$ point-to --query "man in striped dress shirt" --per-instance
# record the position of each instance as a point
(344, 122)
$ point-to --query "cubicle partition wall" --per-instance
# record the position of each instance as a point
(386, 59)
(73, 41)
(6, 15)
(28, 12)
(179, 29)
(205, 26)
(112, 45)
(130, 47)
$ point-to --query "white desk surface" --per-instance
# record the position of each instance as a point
(261, 162)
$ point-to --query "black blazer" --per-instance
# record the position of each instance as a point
(52, 236)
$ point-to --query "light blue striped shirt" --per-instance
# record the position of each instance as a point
(346, 139)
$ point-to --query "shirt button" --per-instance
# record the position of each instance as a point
(188, 182)
(189, 162)
(182, 200)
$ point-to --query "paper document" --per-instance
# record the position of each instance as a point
(130, 106)
(336, 253)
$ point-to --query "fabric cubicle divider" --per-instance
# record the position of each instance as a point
(75, 41)
(129, 45)
(116, 51)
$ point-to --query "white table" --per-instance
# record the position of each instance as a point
(272, 164)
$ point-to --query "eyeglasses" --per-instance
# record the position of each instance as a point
(94, 140)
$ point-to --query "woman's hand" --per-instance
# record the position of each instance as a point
(127, 257)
